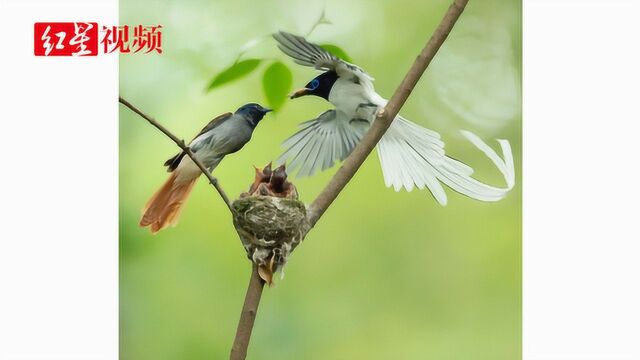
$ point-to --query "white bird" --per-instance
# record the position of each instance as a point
(410, 155)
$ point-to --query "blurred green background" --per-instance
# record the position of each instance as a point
(384, 275)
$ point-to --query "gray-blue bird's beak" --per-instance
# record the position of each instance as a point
(266, 110)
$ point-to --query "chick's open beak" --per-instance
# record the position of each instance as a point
(300, 92)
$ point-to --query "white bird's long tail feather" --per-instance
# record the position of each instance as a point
(412, 156)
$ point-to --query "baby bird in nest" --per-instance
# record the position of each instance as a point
(270, 182)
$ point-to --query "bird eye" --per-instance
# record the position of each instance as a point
(314, 84)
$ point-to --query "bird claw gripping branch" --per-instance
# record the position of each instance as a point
(270, 220)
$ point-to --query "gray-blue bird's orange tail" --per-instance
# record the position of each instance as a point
(163, 209)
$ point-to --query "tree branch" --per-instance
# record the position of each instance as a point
(212, 180)
(350, 166)
(385, 116)
(247, 316)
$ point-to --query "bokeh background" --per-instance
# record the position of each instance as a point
(384, 275)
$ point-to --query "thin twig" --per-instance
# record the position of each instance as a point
(322, 19)
(384, 117)
(247, 316)
(182, 146)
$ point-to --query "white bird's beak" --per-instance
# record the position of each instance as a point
(300, 92)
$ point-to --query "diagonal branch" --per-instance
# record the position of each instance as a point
(182, 146)
(247, 316)
(385, 116)
(351, 165)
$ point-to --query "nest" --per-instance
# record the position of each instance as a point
(270, 220)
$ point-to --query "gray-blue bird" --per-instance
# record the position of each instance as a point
(222, 136)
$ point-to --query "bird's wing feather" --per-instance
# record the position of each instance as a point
(213, 124)
(173, 162)
(411, 155)
(309, 54)
(321, 142)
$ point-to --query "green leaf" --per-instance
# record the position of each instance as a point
(337, 51)
(234, 72)
(276, 83)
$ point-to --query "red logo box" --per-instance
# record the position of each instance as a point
(65, 39)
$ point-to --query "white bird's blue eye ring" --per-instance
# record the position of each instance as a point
(314, 84)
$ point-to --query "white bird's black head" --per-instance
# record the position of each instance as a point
(252, 112)
(320, 86)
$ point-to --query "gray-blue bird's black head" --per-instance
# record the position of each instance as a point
(253, 112)
(320, 86)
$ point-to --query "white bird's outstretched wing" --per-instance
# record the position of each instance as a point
(412, 156)
(321, 142)
(309, 54)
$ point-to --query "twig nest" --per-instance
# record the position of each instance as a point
(271, 222)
